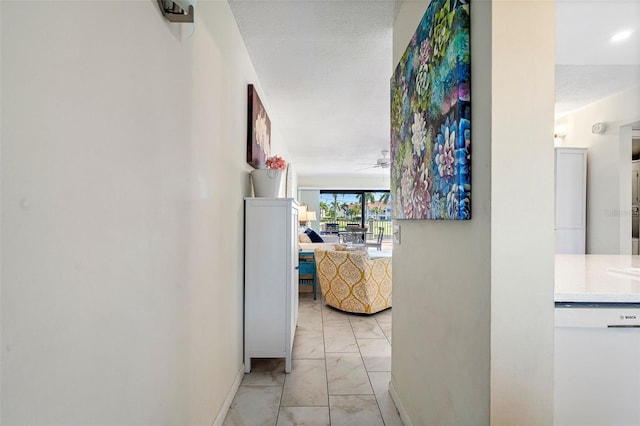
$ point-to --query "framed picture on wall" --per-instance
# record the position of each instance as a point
(431, 118)
(258, 131)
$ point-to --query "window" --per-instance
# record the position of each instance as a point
(370, 209)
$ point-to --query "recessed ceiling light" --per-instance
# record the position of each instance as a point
(622, 35)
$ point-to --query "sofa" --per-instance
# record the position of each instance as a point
(305, 243)
(313, 246)
(352, 282)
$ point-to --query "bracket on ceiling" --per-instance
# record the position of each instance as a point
(174, 13)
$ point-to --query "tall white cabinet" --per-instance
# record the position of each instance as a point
(270, 278)
(571, 200)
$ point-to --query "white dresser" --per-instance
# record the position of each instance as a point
(571, 200)
(270, 278)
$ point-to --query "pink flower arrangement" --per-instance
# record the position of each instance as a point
(275, 162)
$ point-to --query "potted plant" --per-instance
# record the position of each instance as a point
(267, 181)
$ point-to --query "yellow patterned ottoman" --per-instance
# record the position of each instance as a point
(352, 282)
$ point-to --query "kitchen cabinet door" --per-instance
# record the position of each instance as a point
(571, 199)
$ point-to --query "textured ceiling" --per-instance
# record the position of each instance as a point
(589, 66)
(324, 66)
(579, 85)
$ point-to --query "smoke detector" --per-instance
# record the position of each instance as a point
(599, 128)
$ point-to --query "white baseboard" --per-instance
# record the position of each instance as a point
(396, 400)
(229, 399)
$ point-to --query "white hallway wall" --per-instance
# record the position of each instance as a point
(123, 172)
(608, 169)
(464, 353)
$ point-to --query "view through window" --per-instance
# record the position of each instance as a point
(369, 209)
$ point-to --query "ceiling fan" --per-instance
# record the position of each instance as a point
(384, 162)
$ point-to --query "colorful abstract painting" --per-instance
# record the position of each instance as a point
(431, 118)
(258, 131)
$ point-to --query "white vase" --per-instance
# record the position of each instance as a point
(266, 182)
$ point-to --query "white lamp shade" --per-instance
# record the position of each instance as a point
(302, 213)
(311, 215)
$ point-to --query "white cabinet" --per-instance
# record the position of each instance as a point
(570, 199)
(270, 278)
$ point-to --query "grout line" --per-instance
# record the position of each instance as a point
(359, 352)
(326, 369)
(376, 398)
(368, 376)
(285, 381)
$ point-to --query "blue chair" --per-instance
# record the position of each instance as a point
(307, 271)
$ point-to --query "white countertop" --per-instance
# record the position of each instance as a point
(597, 278)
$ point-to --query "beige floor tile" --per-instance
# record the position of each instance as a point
(336, 322)
(309, 314)
(254, 405)
(354, 410)
(310, 322)
(309, 305)
(386, 329)
(366, 328)
(383, 316)
(303, 416)
(265, 372)
(376, 354)
(346, 374)
(308, 344)
(306, 385)
(380, 382)
(350, 387)
(334, 318)
(339, 339)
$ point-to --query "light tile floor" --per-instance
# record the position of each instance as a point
(340, 374)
